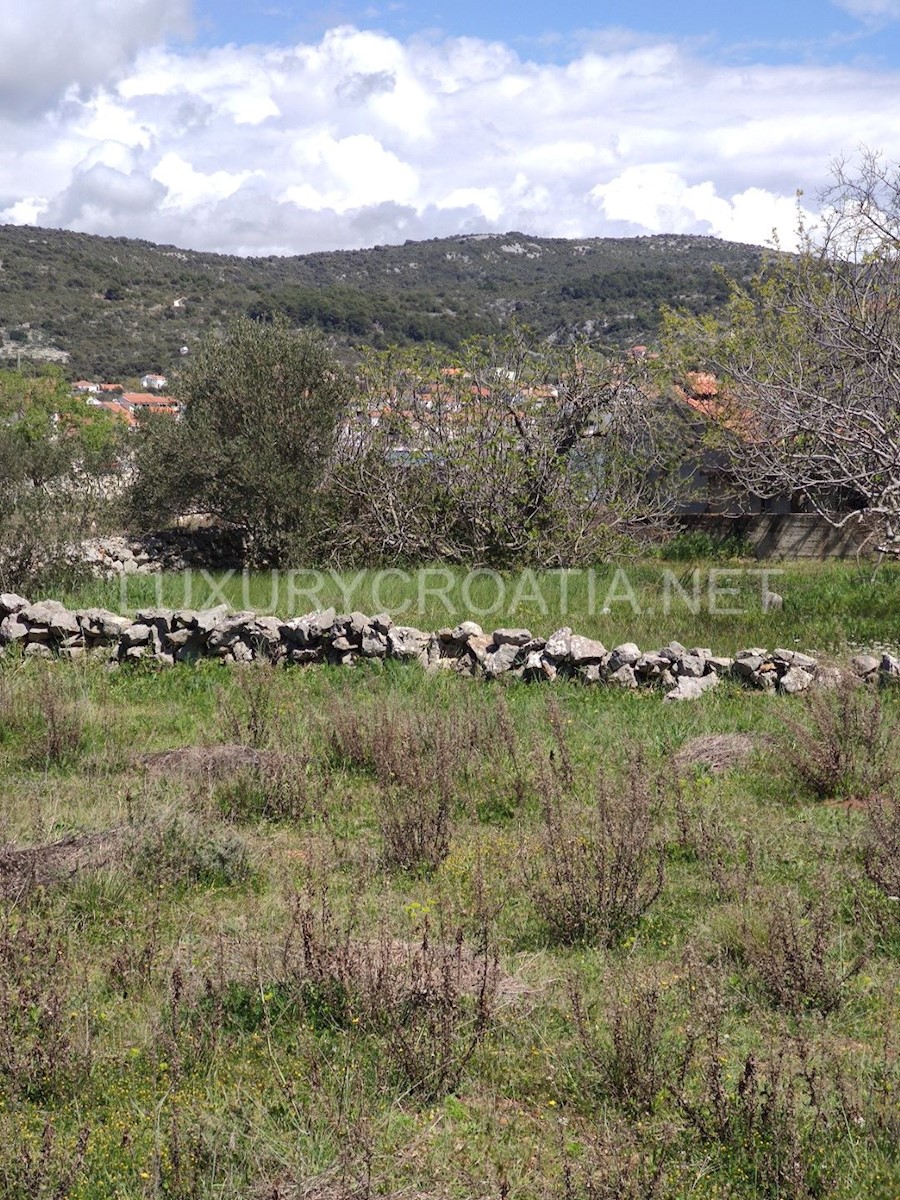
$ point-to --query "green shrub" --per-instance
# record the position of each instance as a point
(179, 849)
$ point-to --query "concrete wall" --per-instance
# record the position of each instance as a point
(790, 535)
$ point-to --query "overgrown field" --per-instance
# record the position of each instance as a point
(431, 937)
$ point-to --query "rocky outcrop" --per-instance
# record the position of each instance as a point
(163, 637)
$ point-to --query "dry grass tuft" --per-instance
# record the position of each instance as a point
(716, 752)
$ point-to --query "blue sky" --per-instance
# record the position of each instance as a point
(274, 127)
(766, 31)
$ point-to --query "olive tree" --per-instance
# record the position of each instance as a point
(262, 410)
(809, 360)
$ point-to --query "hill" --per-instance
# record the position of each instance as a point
(116, 307)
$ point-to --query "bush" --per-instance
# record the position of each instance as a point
(845, 747)
(40, 1058)
(179, 849)
(263, 406)
(599, 865)
(279, 793)
(429, 1001)
(694, 544)
(881, 851)
(791, 953)
(631, 1054)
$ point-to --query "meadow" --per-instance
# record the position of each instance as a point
(332, 933)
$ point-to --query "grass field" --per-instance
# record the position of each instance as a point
(432, 937)
(827, 607)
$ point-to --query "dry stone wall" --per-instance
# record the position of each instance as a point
(164, 637)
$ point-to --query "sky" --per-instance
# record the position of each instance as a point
(276, 127)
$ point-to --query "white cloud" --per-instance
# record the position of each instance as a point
(51, 46)
(361, 138)
(186, 187)
(658, 200)
(868, 9)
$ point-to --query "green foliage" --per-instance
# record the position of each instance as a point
(262, 408)
(695, 545)
(179, 850)
(442, 291)
(54, 453)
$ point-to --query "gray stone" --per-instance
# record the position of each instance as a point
(624, 677)
(625, 655)
(480, 647)
(794, 680)
(58, 621)
(12, 629)
(356, 625)
(242, 652)
(382, 622)
(511, 637)
(160, 618)
(406, 642)
(203, 620)
(320, 623)
(584, 650)
(11, 603)
(692, 689)
(890, 668)
(559, 644)
(179, 638)
(746, 665)
(772, 602)
(137, 634)
(805, 661)
(503, 659)
(374, 643)
(466, 630)
(720, 664)
(38, 650)
(296, 632)
(651, 665)
(673, 651)
(691, 665)
(865, 664)
(101, 625)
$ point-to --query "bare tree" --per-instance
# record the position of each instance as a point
(809, 360)
(512, 452)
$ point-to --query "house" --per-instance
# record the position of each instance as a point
(117, 410)
(714, 420)
(136, 402)
(156, 382)
(84, 386)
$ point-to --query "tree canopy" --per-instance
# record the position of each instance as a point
(262, 409)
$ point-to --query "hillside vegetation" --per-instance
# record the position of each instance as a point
(118, 307)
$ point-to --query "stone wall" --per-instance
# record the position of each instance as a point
(789, 535)
(163, 637)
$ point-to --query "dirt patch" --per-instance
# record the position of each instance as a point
(22, 869)
(718, 752)
(207, 762)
